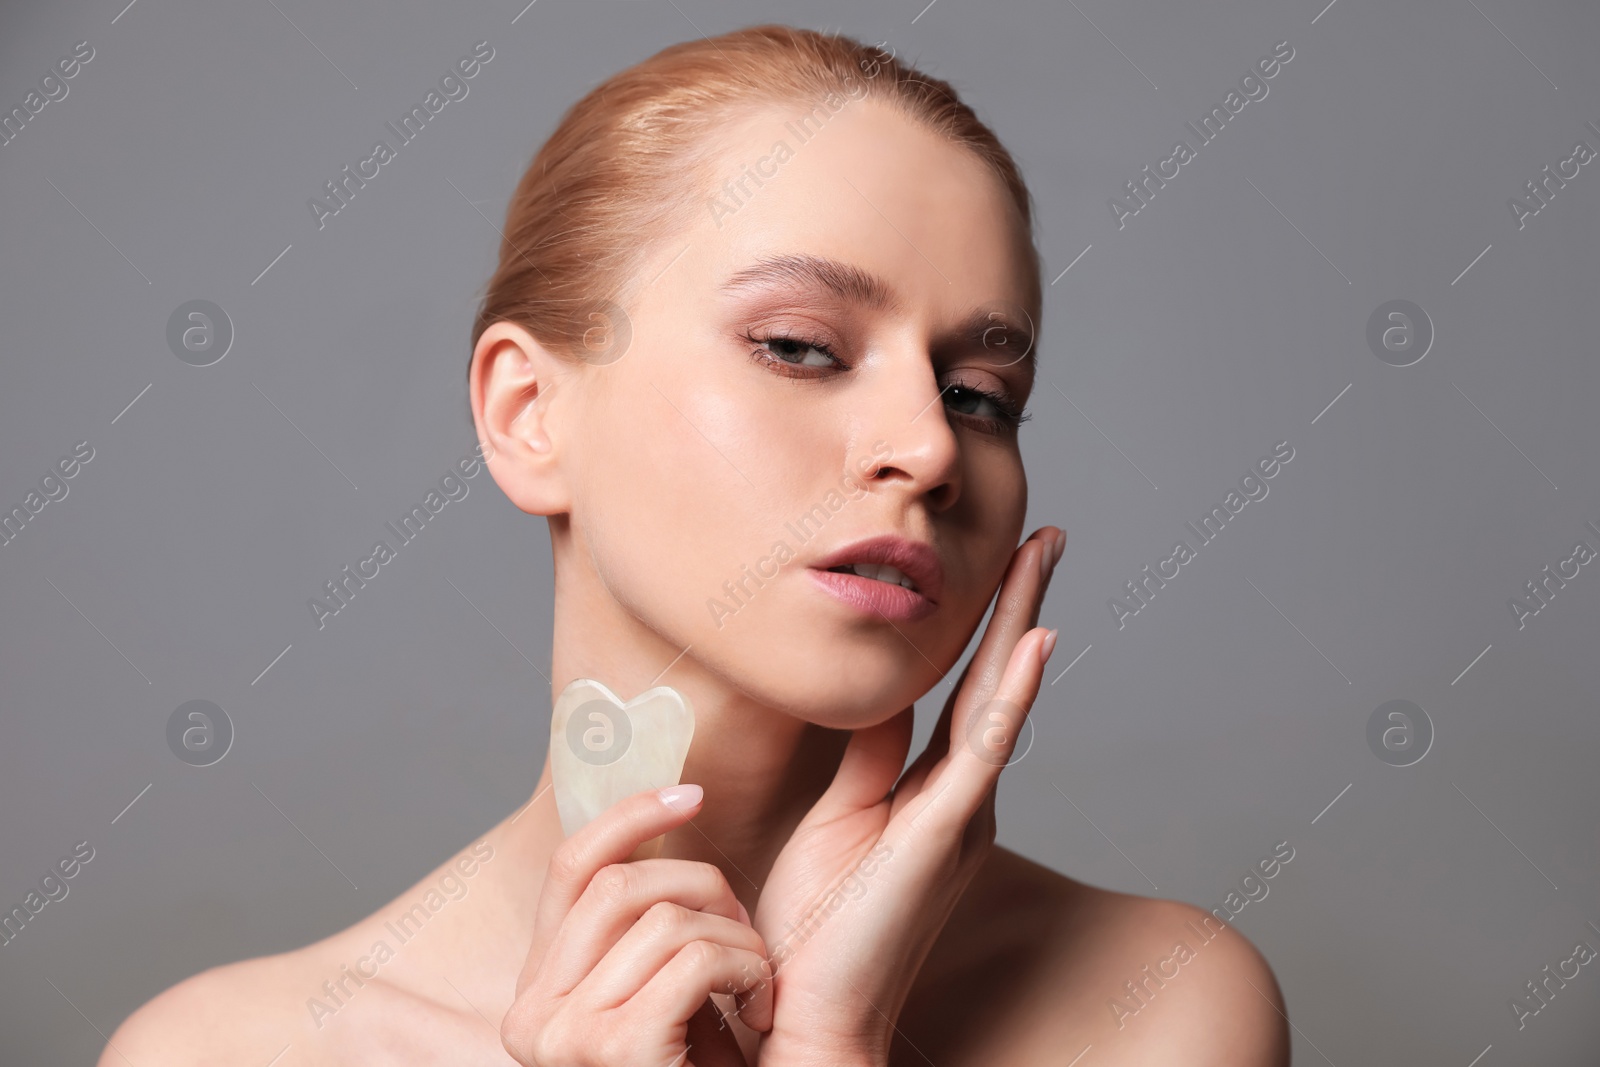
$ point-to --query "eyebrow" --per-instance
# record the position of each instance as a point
(815, 272)
(982, 328)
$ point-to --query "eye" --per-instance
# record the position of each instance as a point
(797, 352)
(993, 411)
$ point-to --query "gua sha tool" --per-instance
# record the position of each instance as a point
(602, 750)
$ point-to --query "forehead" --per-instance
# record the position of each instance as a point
(861, 185)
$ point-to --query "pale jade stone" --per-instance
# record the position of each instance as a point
(602, 750)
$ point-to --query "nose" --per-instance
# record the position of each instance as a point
(905, 411)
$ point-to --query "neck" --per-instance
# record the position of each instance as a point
(761, 768)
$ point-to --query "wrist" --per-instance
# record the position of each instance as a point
(813, 1059)
(812, 1050)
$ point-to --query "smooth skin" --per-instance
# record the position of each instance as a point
(663, 474)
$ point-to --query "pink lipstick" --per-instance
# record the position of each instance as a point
(891, 576)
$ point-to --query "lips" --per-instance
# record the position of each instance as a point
(891, 576)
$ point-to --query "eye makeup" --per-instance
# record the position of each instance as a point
(802, 354)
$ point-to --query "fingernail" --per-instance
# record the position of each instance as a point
(1061, 545)
(1049, 646)
(1047, 561)
(678, 797)
(744, 914)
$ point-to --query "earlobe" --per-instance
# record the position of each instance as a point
(511, 385)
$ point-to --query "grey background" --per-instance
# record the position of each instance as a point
(1188, 342)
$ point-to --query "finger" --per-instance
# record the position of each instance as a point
(610, 838)
(1016, 609)
(938, 743)
(979, 833)
(955, 790)
(699, 969)
(976, 764)
(872, 762)
(616, 899)
(649, 943)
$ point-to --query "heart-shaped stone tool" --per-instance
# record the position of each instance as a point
(602, 750)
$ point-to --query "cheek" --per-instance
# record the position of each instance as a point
(996, 492)
(642, 495)
(666, 508)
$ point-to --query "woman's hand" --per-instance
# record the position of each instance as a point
(857, 897)
(625, 955)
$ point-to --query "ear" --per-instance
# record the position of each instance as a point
(512, 387)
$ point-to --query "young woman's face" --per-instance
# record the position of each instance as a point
(836, 351)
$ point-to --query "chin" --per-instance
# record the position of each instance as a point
(844, 677)
(838, 705)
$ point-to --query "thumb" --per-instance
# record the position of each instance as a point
(871, 765)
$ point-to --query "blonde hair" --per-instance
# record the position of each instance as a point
(621, 168)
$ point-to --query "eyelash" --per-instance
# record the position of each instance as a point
(1008, 417)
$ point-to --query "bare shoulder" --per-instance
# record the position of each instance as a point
(1036, 967)
(376, 992)
(226, 1014)
(298, 1009)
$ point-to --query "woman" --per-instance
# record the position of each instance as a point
(758, 347)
